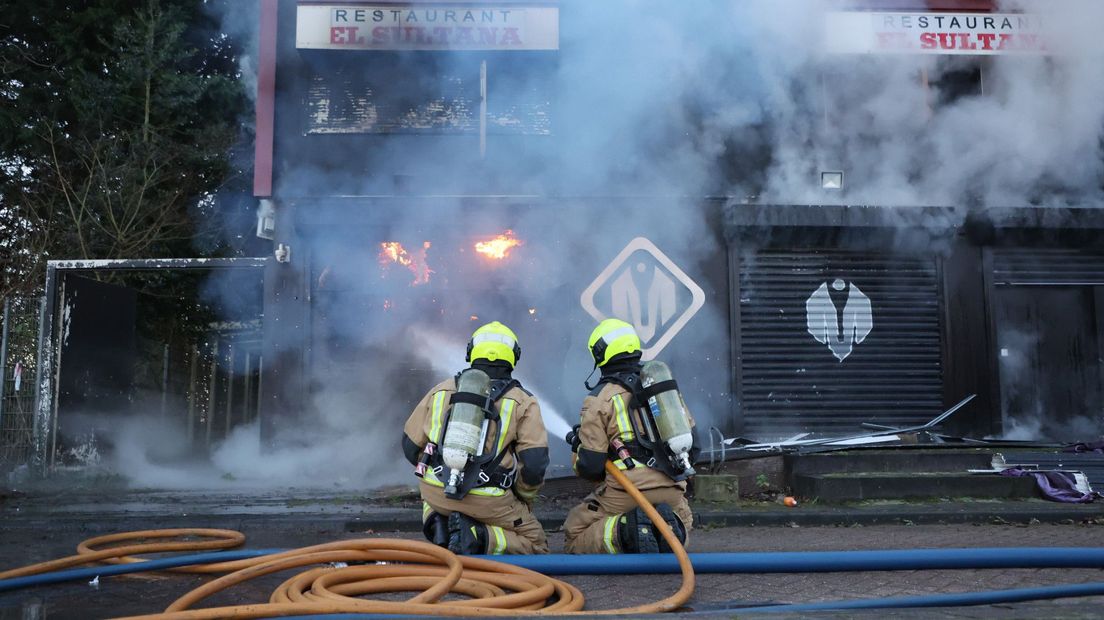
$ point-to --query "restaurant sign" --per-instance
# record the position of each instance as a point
(935, 33)
(423, 27)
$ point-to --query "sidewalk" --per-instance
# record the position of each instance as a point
(399, 509)
(49, 523)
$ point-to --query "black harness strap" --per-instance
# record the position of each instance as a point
(658, 388)
(469, 398)
(500, 387)
(485, 471)
(653, 454)
(488, 474)
(628, 380)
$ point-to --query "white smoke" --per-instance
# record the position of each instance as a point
(1033, 136)
(660, 105)
(239, 22)
(337, 446)
(1028, 413)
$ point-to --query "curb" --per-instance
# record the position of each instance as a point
(409, 520)
(843, 517)
(791, 517)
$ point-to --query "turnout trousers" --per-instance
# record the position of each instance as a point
(591, 527)
(511, 526)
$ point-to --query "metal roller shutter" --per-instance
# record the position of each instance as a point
(790, 382)
(1034, 267)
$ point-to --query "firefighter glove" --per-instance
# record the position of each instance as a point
(572, 438)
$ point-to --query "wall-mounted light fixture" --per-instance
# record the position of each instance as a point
(266, 219)
(831, 179)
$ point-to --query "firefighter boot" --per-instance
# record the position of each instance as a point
(636, 533)
(436, 530)
(677, 527)
(466, 536)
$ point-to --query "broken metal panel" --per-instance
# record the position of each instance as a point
(96, 361)
(1090, 464)
(48, 363)
(153, 264)
(45, 401)
(885, 436)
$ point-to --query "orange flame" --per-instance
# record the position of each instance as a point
(393, 252)
(499, 247)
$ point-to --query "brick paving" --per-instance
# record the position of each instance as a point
(29, 542)
(810, 587)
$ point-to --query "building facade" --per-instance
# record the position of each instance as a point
(428, 166)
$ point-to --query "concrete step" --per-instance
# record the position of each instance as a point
(849, 487)
(888, 461)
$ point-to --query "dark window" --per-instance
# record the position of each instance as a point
(519, 93)
(428, 92)
(956, 78)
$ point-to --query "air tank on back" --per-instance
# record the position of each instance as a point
(465, 427)
(670, 415)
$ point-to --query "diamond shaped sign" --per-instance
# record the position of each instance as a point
(646, 289)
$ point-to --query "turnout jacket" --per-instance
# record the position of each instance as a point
(523, 439)
(606, 414)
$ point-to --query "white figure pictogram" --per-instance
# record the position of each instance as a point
(840, 332)
(649, 311)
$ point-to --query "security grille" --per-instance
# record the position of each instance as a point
(1036, 267)
(789, 381)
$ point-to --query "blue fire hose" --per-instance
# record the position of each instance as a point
(960, 599)
(78, 574)
(813, 561)
(728, 563)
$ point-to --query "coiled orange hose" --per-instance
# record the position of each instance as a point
(493, 588)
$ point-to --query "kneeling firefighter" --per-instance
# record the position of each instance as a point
(636, 418)
(478, 443)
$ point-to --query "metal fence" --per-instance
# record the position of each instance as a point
(211, 386)
(18, 349)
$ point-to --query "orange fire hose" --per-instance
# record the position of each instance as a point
(493, 588)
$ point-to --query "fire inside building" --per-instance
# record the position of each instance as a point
(407, 141)
(426, 167)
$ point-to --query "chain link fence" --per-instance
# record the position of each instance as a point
(18, 347)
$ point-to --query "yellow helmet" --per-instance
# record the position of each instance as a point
(612, 337)
(494, 341)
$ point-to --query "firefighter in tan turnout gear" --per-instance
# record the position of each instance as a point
(478, 443)
(636, 418)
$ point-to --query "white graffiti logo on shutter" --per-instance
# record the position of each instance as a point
(657, 301)
(840, 333)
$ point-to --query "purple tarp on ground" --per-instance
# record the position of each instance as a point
(1055, 485)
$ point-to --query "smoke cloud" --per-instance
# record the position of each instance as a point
(656, 105)
(907, 132)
